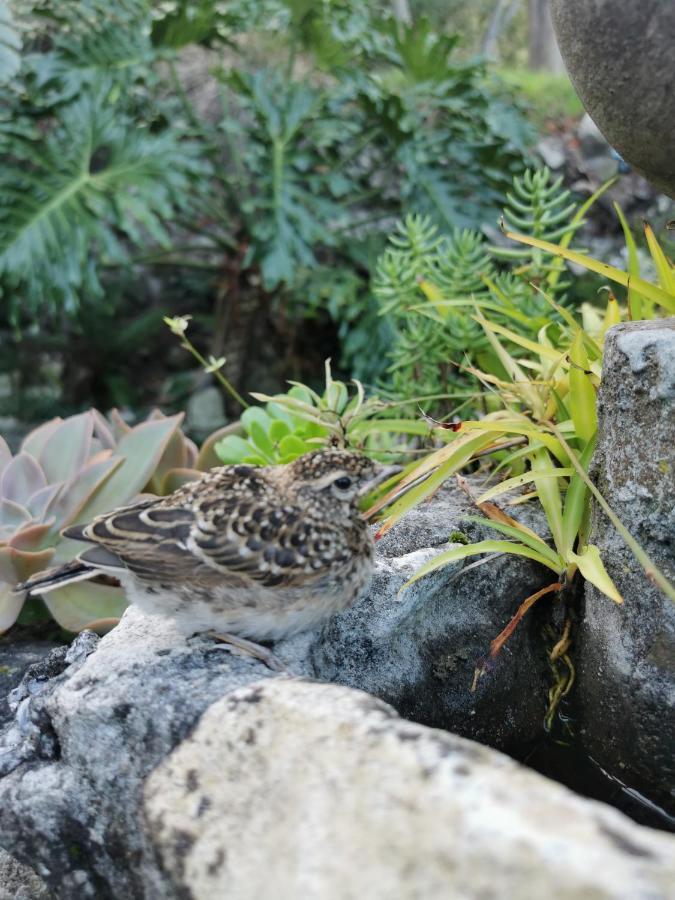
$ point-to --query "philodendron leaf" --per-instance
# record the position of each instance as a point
(592, 568)
(10, 44)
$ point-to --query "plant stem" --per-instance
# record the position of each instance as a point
(231, 390)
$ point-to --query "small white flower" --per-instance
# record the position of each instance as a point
(215, 364)
(177, 324)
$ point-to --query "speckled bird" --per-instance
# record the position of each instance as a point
(247, 553)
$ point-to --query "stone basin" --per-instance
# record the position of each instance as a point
(620, 56)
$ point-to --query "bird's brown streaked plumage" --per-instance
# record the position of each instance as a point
(258, 552)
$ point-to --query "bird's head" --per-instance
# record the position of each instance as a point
(335, 478)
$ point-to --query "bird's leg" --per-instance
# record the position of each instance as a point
(249, 648)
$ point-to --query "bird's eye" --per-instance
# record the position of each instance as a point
(343, 483)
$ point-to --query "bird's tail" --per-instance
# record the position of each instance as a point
(51, 579)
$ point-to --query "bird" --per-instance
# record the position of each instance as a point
(245, 553)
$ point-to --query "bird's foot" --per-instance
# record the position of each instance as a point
(241, 647)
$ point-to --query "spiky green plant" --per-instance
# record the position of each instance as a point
(429, 284)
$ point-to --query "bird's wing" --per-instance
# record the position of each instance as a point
(149, 539)
(233, 524)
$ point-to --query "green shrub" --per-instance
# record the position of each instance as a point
(541, 436)
(429, 285)
(354, 119)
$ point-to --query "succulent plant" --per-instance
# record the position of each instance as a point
(301, 420)
(66, 472)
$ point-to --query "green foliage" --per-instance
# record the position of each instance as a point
(542, 438)
(67, 472)
(10, 44)
(428, 343)
(277, 433)
(94, 183)
(288, 140)
(354, 119)
(541, 207)
(301, 420)
(430, 285)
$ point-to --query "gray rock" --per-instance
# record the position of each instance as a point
(419, 649)
(619, 55)
(626, 653)
(84, 739)
(552, 151)
(19, 882)
(18, 650)
(308, 790)
(71, 809)
(205, 411)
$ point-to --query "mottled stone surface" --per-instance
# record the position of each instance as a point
(81, 744)
(619, 55)
(290, 789)
(418, 649)
(19, 882)
(18, 650)
(627, 653)
(92, 721)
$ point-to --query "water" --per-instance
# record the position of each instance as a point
(567, 763)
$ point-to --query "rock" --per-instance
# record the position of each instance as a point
(596, 161)
(92, 722)
(321, 791)
(18, 650)
(591, 141)
(552, 151)
(19, 882)
(418, 650)
(619, 56)
(626, 653)
(71, 807)
(205, 412)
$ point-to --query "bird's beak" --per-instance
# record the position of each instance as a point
(381, 476)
